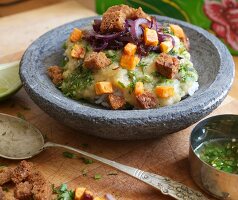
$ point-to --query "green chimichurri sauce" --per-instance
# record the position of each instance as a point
(221, 154)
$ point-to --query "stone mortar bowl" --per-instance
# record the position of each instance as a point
(211, 58)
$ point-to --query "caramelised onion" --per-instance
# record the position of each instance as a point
(133, 32)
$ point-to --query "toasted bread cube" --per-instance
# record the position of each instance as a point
(164, 91)
(139, 88)
(151, 37)
(79, 193)
(129, 62)
(130, 49)
(177, 30)
(103, 87)
(75, 35)
(77, 51)
(166, 46)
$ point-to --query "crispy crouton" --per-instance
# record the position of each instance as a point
(23, 191)
(22, 171)
(96, 61)
(41, 187)
(146, 100)
(114, 18)
(116, 102)
(5, 175)
(167, 65)
(56, 74)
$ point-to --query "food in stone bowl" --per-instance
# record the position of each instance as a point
(127, 60)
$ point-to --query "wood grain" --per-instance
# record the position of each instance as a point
(167, 156)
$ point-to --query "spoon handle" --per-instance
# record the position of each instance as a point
(164, 184)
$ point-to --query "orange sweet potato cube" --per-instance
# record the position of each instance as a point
(166, 46)
(77, 51)
(103, 87)
(130, 49)
(129, 62)
(150, 37)
(79, 193)
(164, 91)
(75, 35)
(177, 30)
(139, 88)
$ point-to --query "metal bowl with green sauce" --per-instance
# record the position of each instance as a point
(213, 156)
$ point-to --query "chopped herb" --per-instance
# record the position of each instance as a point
(68, 155)
(87, 161)
(64, 61)
(113, 55)
(121, 84)
(63, 193)
(84, 145)
(132, 77)
(84, 172)
(79, 80)
(97, 176)
(64, 45)
(24, 107)
(5, 189)
(112, 173)
(142, 64)
(21, 116)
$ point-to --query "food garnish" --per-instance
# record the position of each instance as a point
(126, 58)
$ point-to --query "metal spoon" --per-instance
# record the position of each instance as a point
(21, 140)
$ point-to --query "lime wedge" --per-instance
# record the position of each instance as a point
(9, 79)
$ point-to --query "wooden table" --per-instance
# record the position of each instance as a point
(167, 156)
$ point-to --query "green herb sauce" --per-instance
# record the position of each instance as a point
(221, 154)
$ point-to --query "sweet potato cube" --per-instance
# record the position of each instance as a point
(99, 198)
(150, 37)
(103, 87)
(139, 88)
(130, 49)
(79, 193)
(177, 30)
(164, 91)
(77, 51)
(165, 46)
(129, 62)
(75, 35)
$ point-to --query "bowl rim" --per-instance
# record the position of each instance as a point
(193, 150)
(189, 105)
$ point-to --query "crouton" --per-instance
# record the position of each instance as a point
(41, 187)
(116, 102)
(5, 175)
(23, 191)
(56, 74)
(167, 65)
(114, 18)
(96, 61)
(76, 35)
(22, 171)
(103, 87)
(146, 100)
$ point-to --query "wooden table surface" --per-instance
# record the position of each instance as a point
(167, 156)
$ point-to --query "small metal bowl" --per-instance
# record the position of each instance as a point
(218, 183)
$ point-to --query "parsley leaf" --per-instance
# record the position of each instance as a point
(97, 176)
(87, 161)
(68, 155)
(63, 193)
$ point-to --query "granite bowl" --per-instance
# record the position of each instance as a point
(211, 58)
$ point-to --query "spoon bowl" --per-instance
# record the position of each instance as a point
(21, 140)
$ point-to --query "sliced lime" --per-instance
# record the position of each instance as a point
(9, 79)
